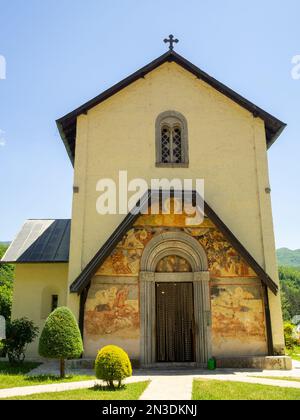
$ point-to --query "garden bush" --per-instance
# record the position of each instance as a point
(61, 338)
(2, 349)
(113, 364)
(19, 333)
(289, 336)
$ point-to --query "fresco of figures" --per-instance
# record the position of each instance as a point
(238, 313)
(112, 309)
(223, 260)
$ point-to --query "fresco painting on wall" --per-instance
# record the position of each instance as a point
(238, 313)
(171, 219)
(173, 264)
(223, 260)
(112, 309)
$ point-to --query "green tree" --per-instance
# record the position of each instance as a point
(19, 333)
(6, 286)
(61, 338)
(290, 291)
(286, 307)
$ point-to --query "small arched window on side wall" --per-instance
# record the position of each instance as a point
(171, 140)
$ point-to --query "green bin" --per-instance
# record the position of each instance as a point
(212, 364)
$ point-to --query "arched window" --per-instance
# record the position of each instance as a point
(171, 140)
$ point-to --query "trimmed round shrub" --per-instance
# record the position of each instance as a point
(61, 338)
(113, 364)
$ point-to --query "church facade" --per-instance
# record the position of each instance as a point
(163, 286)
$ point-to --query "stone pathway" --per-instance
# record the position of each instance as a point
(52, 369)
(169, 388)
(164, 385)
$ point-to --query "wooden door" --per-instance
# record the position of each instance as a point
(175, 322)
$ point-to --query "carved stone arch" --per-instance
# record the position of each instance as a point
(170, 118)
(174, 243)
(187, 247)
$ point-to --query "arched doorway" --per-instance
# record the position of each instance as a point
(175, 301)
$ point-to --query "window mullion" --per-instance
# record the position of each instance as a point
(171, 146)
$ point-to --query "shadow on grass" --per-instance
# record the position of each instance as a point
(54, 378)
(21, 369)
(106, 388)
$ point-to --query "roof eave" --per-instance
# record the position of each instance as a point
(65, 141)
(278, 133)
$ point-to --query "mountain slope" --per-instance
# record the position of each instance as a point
(287, 257)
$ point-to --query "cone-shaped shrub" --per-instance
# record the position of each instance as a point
(61, 338)
(112, 364)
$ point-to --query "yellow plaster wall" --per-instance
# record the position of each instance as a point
(268, 239)
(226, 148)
(33, 287)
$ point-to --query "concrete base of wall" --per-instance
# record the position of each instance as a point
(80, 364)
(261, 363)
(174, 365)
(90, 363)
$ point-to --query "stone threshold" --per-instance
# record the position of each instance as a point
(174, 365)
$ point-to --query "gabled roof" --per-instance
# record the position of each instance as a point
(90, 270)
(67, 124)
(40, 241)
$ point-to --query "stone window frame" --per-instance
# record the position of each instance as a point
(182, 122)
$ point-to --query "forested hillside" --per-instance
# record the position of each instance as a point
(288, 258)
(290, 291)
(6, 285)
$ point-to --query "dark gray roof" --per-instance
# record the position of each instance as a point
(40, 241)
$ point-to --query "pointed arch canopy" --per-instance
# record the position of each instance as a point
(84, 278)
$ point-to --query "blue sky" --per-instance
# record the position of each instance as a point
(61, 53)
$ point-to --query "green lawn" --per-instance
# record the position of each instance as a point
(278, 378)
(295, 353)
(13, 377)
(130, 392)
(225, 390)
